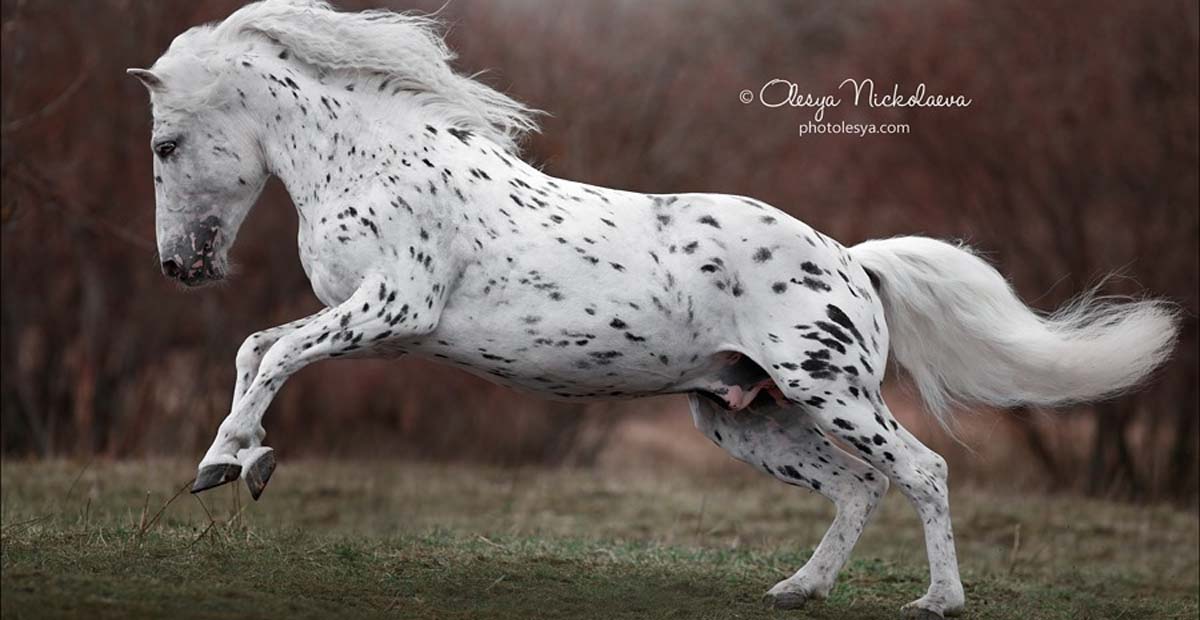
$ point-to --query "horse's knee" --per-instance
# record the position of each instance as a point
(925, 486)
(251, 351)
(877, 484)
(934, 463)
(931, 465)
(868, 488)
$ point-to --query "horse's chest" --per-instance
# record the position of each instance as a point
(333, 275)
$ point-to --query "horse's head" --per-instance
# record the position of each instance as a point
(208, 170)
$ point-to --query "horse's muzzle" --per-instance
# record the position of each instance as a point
(193, 259)
(199, 271)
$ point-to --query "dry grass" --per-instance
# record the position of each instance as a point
(379, 539)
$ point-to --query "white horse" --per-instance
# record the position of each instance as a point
(423, 233)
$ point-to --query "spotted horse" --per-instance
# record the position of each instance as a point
(422, 232)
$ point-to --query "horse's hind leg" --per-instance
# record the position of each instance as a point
(920, 474)
(933, 504)
(785, 443)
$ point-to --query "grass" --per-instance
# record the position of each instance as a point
(392, 539)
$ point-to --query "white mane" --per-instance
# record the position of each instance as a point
(406, 49)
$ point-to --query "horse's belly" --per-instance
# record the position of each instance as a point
(584, 356)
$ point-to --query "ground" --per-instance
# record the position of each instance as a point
(396, 539)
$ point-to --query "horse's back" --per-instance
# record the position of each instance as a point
(628, 294)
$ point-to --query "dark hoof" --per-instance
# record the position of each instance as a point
(215, 475)
(785, 600)
(259, 472)
(917, 613)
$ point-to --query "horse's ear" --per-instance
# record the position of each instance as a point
(147, 78)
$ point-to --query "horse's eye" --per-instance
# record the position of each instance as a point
(165, 148)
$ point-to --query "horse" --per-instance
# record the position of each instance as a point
(422, 232)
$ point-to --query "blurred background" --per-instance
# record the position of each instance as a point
(1077, 157)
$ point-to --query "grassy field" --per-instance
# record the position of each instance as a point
(394, 539)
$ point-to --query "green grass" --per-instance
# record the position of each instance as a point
(392, 539)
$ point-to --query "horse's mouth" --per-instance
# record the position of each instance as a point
(202, 279)
(200, 270)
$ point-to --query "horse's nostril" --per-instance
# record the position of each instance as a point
(171, 269)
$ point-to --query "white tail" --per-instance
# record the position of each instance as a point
(960, 331)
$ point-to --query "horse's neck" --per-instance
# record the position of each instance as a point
(328, 144)
(335, 148)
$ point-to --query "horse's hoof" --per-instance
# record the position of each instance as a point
(785, 600)
(917, 613)
(215, 475)
(260, 464)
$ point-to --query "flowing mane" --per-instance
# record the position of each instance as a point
(405, 49)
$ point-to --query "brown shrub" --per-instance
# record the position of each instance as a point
(1078, 157)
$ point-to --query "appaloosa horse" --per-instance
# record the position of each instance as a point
(423, 233)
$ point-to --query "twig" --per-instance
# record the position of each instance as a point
(44, 188)
(164, 506)
(495, 583)
(211, 521)
(394, 603)
(1016, 547)
(27, 522)
(145, 508)
(242, 508)
(494, 544)
(77, 477)
(206, 512)
(53, 106)
(197, 539)
(237, 502)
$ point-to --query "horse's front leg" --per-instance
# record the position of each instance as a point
(254, 347)
(256, 465)
(377, 311)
